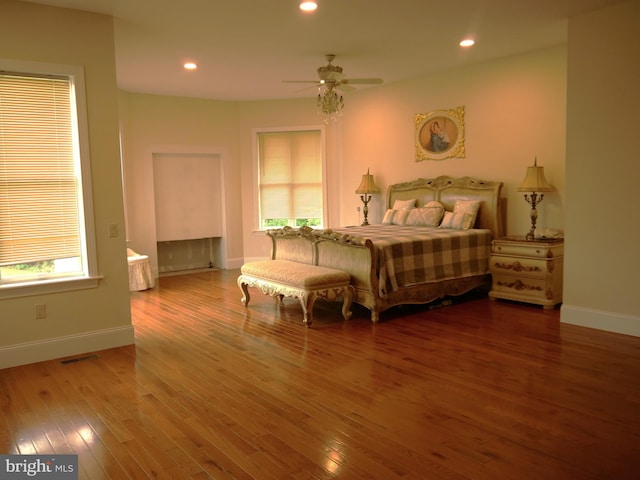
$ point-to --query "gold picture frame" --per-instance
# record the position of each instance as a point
(440, 134)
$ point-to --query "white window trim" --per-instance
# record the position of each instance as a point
(256, 170)
(91, 277)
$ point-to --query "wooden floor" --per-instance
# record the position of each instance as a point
(475, 390)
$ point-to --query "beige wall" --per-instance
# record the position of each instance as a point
(151, 123)
(97, 318)
(601, 287)
(159, 124)
(514, 111)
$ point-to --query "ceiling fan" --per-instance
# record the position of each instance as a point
(331, 81)
(331, 76)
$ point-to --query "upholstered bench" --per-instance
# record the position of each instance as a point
(286, 278)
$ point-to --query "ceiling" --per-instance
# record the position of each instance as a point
(246, 48)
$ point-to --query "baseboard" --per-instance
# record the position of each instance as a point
(185, 267)
(251, 259)
(233, 263)
(52, 348)
(608, 321)
(185, 272)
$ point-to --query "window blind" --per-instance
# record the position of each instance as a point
(39, 213)
(290, 180)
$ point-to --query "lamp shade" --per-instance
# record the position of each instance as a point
(367, 185)
(535, 181)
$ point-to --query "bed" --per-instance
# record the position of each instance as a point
(394, 263)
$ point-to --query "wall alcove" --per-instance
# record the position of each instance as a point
(188, 211)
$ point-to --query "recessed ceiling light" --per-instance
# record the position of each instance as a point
(190, 66)
(308, 6)
(467, 42)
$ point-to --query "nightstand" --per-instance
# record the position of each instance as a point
(527, 270)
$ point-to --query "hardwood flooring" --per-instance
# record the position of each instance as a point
(214, 390)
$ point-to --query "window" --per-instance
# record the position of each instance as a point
(290, 178)
(43, 194)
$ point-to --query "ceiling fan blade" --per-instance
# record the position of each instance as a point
(346, 88)
(331, 79)
(306, 89)
(363, 81)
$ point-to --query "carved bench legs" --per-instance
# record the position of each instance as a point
(306, 297)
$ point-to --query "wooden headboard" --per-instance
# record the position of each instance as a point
(447, 190)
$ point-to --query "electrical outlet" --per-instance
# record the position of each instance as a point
(113, 230)
(41, 311)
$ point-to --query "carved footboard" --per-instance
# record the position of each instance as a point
(355, 255)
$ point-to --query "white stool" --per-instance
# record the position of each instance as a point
(140, 277)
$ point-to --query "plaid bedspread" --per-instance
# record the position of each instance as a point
(412, 255)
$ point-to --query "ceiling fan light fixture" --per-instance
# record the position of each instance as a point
(330, 83)
(330, 103)
(308, 6)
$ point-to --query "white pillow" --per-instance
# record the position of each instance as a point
(388, 216)
(400, 217)
(463, 216)
(404, 204)
(469, 206)
(425, 216)
(455, 220)
(395, 217)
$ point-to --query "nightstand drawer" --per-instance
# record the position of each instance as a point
(522, 288)
(528, 250)
(521, 266)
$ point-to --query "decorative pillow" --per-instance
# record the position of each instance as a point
(400, 217)
(457, 220)
(404, 204)
(471, 206)
(388, 216)
(434, 203)
(468, 206)
(463, 216)
(425, 216)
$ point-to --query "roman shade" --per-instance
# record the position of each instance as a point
(290, 166)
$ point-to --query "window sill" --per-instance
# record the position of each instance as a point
(45, 287)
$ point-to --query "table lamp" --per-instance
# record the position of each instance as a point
(534, 182)
(366, 188)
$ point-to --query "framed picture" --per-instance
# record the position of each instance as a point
(440, 134)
